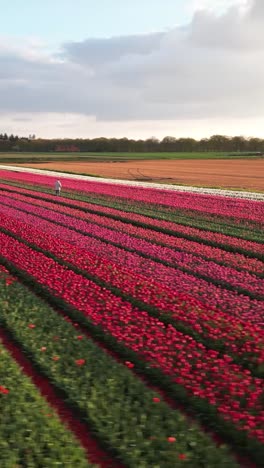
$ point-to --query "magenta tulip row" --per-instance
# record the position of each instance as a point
(234, 260)
(203, 373)
(212, 296)
(208, 269)
(233, 207)
(221, 239)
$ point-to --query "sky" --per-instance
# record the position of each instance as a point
(132, 68)
(64, 20)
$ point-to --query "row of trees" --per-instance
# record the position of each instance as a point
(168, 144)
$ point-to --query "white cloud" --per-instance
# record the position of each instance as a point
(215, 5)
(61, 125)
(211, 69)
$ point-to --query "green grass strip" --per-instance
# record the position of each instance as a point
(28, 437)
(54, 156)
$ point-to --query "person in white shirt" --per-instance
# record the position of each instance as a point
(58, 187)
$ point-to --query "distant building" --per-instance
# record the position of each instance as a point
(67, 149)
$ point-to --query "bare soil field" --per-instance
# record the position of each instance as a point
(235, 174)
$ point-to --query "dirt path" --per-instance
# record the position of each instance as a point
(236, 174)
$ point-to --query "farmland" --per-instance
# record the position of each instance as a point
(133, 320)
(233, 174)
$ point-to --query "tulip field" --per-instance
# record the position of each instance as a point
(132, 326)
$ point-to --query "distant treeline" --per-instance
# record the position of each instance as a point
(216, 143)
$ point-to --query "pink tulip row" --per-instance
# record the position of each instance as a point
(212, 296)
(212, 253)
(236, 208)
(220, 239)
(209, 269)
(203, 373)
(239, 337)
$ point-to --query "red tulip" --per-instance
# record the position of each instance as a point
(4, 390)
(129, 364)
(80, 362)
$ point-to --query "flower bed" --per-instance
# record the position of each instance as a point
(211, 295)
(200, 372)
(158, 221)
(128, 418)
(237, 208)
(215, 273)
(169, 285)
(212, 253)
(213, 327)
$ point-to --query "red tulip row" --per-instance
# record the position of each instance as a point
(202, 236)
(234, 260)
(212, 296)
(203, 373)
(237, 208)
(235, 336)
(208, 269)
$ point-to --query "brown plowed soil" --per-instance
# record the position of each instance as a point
(236, 174)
